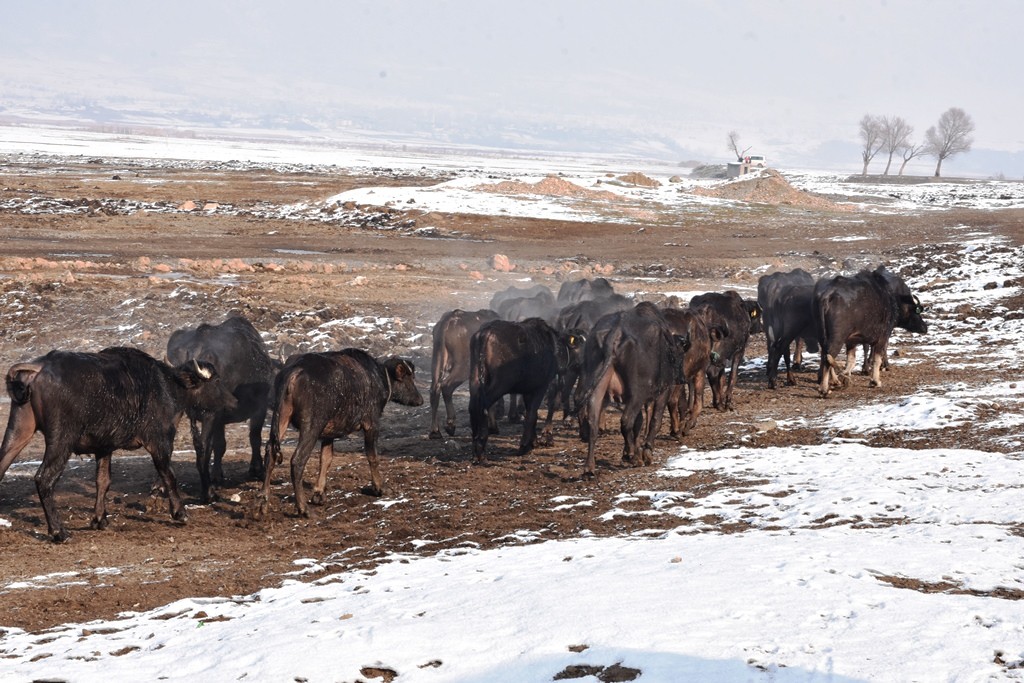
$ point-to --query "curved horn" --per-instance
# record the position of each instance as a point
(201, 371)
(34, 368)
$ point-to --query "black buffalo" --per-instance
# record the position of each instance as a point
(450, 361)
(245, 368)
(785, 299)
(510, 358)
(735, 318)
(702, 348)
(575, 321)
(118, 398)
(862, 309)
(513, 292)
(582, 290)
(642, 361)
(584, 314)
(326, 396)
(540, 305)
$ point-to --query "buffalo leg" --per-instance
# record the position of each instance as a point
(630, 425)
(531, 405)
(376, 485)
(218, 446)
(326, 457)
(447, 392)
(307, 439)
(55, 458)
(675, 412)
(653, 427)
(255, 440)
(790, 379)
(21, 426)
(435, 403)
(773, 363)
(694, 401)
(877, 354)
(99, 518)
(200, 437)
(161, 455)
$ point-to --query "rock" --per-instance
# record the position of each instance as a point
(500, 263)
(187, 206)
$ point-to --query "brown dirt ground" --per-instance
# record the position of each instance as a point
(77, 271)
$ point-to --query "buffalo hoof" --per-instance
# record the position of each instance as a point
(180, 516)
(317, 498)
(256, 473)
(371, 490)
(60, 536)
(450, 428)
(99, 523)
(260, 508)
(434, 434)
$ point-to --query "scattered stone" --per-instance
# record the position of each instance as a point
(187, 206)
(378, 672)
(500, 263)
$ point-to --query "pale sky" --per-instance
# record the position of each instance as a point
(674, 76)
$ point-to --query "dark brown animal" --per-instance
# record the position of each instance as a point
(642, 361)
(450, 362)
(327, 396)
(736, 319)
(97, 403)
(702, 347)
(862, 309)
(510, 358)
(236, 350)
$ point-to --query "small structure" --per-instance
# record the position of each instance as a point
(735, 169)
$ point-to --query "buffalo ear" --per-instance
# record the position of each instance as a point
(403, 369)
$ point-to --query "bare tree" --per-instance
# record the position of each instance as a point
(871, 129)
(896, 133)
(734, 145)
(909, 151)
(952, 136)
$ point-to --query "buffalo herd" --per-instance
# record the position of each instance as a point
(584, 351)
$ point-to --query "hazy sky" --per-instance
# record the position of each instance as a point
(786, 75)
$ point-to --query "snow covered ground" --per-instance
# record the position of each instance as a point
(849, 563)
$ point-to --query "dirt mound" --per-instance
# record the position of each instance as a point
(768, 187)
(636, 178)
(551, 186)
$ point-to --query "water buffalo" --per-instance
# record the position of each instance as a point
(245, 368)
(642, 361)
(736, 318)
(703, 347)
(510, 358)
(326, 396)
(862, 309)
(581, 290)
(118, 398)
(450, 361)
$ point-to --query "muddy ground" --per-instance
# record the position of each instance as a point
(103, 252)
